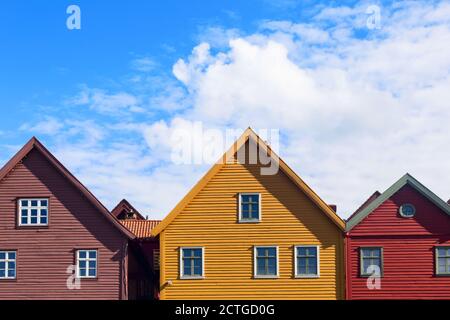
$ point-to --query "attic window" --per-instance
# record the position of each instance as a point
(249, 207)
(33, 212)
(407, 210)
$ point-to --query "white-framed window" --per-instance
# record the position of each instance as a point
(442, 260)
(307, 261)
(87, 263)
(371, 261)
(265, 260)
(192, 262)
(249, 207)
(8, 264)
(33, 212)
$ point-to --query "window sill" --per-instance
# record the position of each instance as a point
(88, 279)
(266, 277)
(249, 221)
(312, 276)
(192, 278)
(35, 227)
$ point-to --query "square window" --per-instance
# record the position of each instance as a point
(33, 212)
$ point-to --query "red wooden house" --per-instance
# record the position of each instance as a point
(398, 245)
(57, 241)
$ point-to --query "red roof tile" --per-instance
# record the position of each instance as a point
(140, 228)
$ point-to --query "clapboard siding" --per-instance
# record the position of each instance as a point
(44, 254)
(289, 218)
(408, 249)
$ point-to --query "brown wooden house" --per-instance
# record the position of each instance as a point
(57, 241)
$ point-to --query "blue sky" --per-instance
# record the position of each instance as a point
(356, 107)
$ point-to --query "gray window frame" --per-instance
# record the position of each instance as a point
(436, 261)
(362, 273)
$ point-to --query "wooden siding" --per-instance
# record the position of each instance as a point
(289, 218)
(408, 250)
(43, 254)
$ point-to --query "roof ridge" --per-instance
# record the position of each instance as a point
(35, 143)
(404, 180)
(249, 133)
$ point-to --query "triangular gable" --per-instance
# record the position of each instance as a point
(250, 134)
(407, 179)
(34, 143)
(125, 205)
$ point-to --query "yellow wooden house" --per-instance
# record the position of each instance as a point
(241, 234)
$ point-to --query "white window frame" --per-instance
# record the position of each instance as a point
(241, 220)
(181, 263)
(307, 276)
(6, 260)
(29, 208)
(87, 259)
(255, 264)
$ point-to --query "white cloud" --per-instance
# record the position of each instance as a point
(144, 64)
(105, 103)
(48, 126)
(355, 113)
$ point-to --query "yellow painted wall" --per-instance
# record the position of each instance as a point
(289, 218)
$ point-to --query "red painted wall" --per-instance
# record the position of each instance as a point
(408, 250)
(44, 254)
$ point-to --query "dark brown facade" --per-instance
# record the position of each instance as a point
(76, 221)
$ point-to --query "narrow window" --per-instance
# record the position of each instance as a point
(306, 261)
(87, 263)
(249, 207)
(191, 263)
(8, 264)
(371, 261)
(443, 260)
(266, 262)
(33, 212)
(156, 259)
